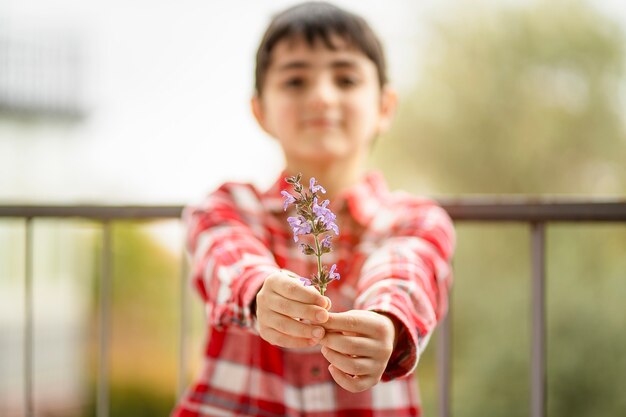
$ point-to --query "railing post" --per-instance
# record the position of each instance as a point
(443, 363)
(104, 307)
(29, 409)
(184, 326)
(538, 349)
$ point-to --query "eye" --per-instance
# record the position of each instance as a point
(347, 81)
(294, 82)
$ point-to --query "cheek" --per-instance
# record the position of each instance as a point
(285, 114)
(279, 111)
(364, 117)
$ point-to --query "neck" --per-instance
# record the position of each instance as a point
(334, 177)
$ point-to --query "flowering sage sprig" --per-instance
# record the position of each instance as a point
(313, 219)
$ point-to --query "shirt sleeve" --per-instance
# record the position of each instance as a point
(229, 254)
(408, 276)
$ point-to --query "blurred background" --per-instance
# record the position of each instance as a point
(147, 102)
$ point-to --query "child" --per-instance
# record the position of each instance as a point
(322, 93)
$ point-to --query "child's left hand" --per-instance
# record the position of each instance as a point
(358, 344)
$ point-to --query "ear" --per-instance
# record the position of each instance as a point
(257, 111)
(388, 105)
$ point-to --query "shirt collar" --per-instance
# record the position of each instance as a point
(362, 200)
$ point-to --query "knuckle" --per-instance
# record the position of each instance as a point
(381, 328)
(388, 350)
(356, 386)
(352, 322)
(282, 306)
(260, 318)
(357, 368)
(269, 281)
(352, 388)
(263, 333)
(377, 378)
(278, 340)
(261, 311)
(281, 326)
(361, 385)
(262, 296)
(291, 288)
(301, 330)
(350, 345)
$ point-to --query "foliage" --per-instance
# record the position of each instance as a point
(516, 100)
(144, 326)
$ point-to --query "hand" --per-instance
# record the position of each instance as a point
(287, 312)
(358, 345)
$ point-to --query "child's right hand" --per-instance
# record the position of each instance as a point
(283, 300)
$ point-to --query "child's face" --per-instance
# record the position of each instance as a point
(322, 105)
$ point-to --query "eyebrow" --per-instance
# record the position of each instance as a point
(340, 63)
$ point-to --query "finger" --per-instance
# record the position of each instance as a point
(344, 322)
(294, 290)
(292, 327)
(349, 345)
(349, 382)
(297, 309)
(365, 323)
(349, 364)
(280, 339)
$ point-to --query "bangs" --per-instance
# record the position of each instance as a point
(319, 22)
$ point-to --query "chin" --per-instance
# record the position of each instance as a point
(323, 153)
(319, 156)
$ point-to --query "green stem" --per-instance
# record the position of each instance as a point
(318, 253)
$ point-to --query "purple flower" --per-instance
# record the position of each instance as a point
(325, 216)
(313, 219)
(332, 274)
(289, 199)
(315, 188)
(299, 225)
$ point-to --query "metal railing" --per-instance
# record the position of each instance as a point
(535, 212)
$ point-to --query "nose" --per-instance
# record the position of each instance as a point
(323, 93)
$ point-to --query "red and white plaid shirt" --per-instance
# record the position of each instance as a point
(393, 253)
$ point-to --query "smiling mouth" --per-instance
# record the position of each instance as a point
(321, 123)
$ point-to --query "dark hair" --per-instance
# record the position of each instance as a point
(319, 21)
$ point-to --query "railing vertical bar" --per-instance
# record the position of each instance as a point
(104, 307)
(538, 358)
(443, 364)
(29, 406)
(183, 336)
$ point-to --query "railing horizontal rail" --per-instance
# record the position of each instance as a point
(462, 209)
(99, 212)
(534, 210)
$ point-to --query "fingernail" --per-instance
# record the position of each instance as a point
(321, 316)
(318, 332)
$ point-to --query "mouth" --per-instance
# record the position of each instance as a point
(321, 123)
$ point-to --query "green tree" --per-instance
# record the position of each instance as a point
(515, 100)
